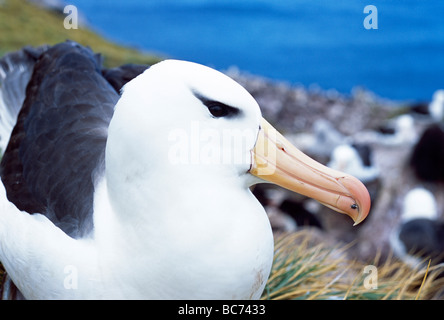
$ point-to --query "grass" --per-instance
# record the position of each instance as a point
(22, 24)
(305, 271)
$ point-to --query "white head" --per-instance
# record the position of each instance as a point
(188, 115)
(419, 203)
(345, 158)
(197, 124)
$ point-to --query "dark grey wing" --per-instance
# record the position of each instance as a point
(56, 149)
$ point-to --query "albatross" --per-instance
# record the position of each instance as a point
(142, 192)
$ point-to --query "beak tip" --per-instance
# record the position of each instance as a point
(361, 198)
(365, 202)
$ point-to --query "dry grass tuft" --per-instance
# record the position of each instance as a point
(303, 270)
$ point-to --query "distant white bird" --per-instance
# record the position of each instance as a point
(419, 203)
(321, 141)
(405, 130)
(146, 195)
(347, 159)
(420, 234)
(403, 133)
(436, 106)
(326, 138)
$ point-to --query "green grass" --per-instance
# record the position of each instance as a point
(22, 24)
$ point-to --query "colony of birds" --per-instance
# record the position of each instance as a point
(395, 148)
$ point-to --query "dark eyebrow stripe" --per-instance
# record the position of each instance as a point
(232, 111)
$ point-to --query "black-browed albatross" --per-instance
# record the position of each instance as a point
(117, 195)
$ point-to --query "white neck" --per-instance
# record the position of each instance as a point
(181, 229)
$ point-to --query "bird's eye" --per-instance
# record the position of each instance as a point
(216, 108)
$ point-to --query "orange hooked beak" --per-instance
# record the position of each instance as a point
(276, 160)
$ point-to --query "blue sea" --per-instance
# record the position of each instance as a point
(302, 42)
